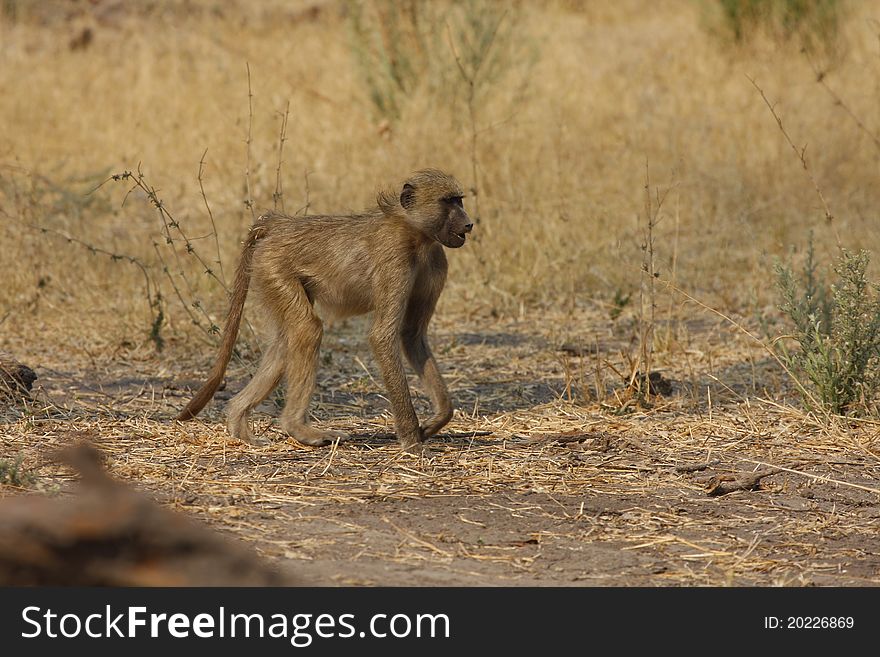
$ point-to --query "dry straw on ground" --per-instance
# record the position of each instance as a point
(525, 487)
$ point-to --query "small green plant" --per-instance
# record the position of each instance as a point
(12, 474)
(837, 329)
(618, 303)
(401, 45)
(814, 22)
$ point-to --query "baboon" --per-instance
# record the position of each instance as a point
(388, 261)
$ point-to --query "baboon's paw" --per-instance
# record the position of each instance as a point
(256, 441)
(307, 435)
(432, 427)
(418, 450)
(240, 430)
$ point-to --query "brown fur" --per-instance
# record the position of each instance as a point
(388, 261)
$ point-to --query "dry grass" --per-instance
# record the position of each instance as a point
(561, 159)
(561, 166)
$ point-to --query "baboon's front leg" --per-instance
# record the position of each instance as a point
(385, 341)
(415, 346)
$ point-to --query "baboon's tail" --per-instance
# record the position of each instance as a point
(230, 331)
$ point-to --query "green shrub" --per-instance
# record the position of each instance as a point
(812, 21)
(403, 45)
(12, 474)
(837, 329)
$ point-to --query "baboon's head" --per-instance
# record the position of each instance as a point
(432, 202)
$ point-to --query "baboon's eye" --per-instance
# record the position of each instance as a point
(455, 200)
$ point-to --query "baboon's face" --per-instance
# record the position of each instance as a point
(454, 222)
(433, 201)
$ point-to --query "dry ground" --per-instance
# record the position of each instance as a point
(551, 473)
(525, 487)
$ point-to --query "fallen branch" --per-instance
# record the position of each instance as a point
(724, 484)
(109, 534)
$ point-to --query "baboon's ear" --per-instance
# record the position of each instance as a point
(408, 196)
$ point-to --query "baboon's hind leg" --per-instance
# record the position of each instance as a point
(268, 375)
(303, 331)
